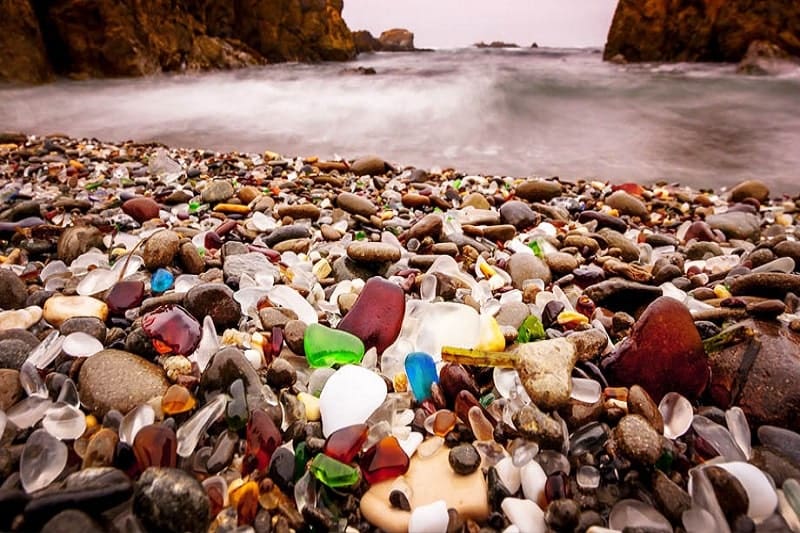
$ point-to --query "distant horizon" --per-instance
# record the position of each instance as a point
(462, 23)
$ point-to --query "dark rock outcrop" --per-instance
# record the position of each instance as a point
(112, 38)
(700, 30)
(397, 40)
(366, 42)
(24, 57)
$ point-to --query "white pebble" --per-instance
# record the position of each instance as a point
(509, 474)
(760, 492)
(431, 518)
(533, 481)
(80, 344)
(350, 396)
(524, 514)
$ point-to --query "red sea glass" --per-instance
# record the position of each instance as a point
(664, 353)
(172, 330)
(377, 315)
(125, 295)
(155, 445)
(263, 438)
(345, 443)
(385, 460)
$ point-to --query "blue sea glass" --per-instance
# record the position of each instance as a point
(421, 372)
(162, 280)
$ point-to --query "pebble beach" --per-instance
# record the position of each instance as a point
(219, 342)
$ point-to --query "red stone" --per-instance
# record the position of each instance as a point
(172, 330)
(664, 353)
(125, 295)
(377, 315)
(630, 188)
(385, 460)
(263, 438)
(141, 209)
(155, 445)
(700, 231)
(345, 443)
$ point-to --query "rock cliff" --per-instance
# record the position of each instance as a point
(110, 38)
(700, 30)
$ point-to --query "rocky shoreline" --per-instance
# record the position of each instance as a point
(202, 341)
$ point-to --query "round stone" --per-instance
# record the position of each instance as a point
(160, 248)
(141, 209)
(637, 440)
(217, 191)
(214, 300)
(13, 292)
(115, 379)
(57, 309)
(355, 204)
(373, 252)
(171, 500)
(750, 189)
(522, 267)
(464, 459)
(627, 204)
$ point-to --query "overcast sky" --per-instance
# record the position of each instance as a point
(451, 23)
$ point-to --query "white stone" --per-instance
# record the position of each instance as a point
(96, 281)
(285, 296)
(760, 492)
(524, 514)
(509, 474)
(411, 442)
(431, 518)
(677, 413)
(350, 396)
(633, 513)
(20, 318)
(80, 344)
(533, 480)
(42, 460)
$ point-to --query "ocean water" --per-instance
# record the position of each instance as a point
(523, 112)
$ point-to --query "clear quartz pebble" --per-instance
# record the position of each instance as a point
(42, 461)
(703, 496)
(80, 344)
(51, 269)
(47, 350)
(427, 287)
(635, 514)
(781, 264)
(96, 281)
(411, 442)
(718, 437)
(305, 492)
(209, 344)
(739, 429)
(29, 411)
(140, 416)
(285, 296)
(69, 394)
(32, 383)
(523, 451)
(553, 461)
(190, 432)
(588, 477)
(184, 282)
(430, 446)
(677, 413)
(585, 390)
(698, 520)
(64, 422)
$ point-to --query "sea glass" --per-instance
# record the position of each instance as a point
(333, 473)
(161, 281)
(530, 330)
(125, 295)
(345, 443)
(172, 330)
(664, 353)
(245, 499)
(377, 316)
(190, 432)
(421, 372)
(64, 421)
(385, 460)
(263, 438)
(327, 347)
(155, 445)
(177, 400)
(42, 461)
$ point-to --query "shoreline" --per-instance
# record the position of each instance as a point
(244, 307)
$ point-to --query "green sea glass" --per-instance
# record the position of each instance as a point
(327, 347)
(333, 473)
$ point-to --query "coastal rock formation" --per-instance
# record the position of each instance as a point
(700, 30)
(105, 38)
(24, 58)
(397, 40)
(366, 42)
